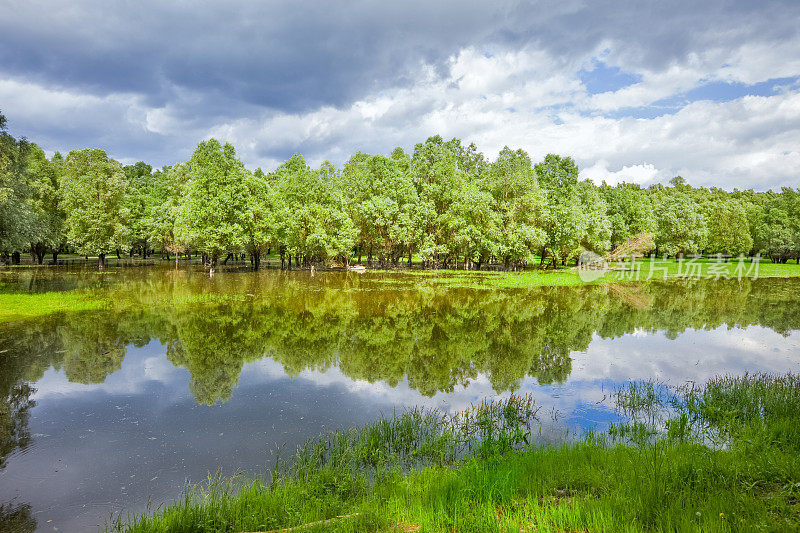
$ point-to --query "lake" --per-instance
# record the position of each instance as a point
(181, 375)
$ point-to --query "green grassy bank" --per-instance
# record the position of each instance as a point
(721, 457)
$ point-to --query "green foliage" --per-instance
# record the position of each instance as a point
(778, 227)
(630, 212)
(728, 229)
(681, 225)
(30, 216)
(94, 194)
(381, 201)
(576, 216)
(520, 205)
(446, 204)
(164, 207)
(212, 216)
(316, 223)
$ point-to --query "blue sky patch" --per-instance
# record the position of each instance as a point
(602, 78)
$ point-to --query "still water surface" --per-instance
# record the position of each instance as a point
(106, 411)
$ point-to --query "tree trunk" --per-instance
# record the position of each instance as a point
(15, 258)
(55, 257)
(101, 261)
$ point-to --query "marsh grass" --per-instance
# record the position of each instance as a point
(732, 464)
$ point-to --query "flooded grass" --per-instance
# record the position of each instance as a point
(475, 471)
(22, 306)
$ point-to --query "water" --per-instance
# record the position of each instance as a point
(105, 411)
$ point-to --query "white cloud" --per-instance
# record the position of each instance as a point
(495, 96)
(750, 141)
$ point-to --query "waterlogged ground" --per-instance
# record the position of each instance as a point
(141, 378)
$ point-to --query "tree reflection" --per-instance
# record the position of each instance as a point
(17, 518)
(436, 338)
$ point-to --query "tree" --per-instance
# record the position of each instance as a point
(566, 223)
(728, 229)
(261, 220)
(212, 215)
(630, 212)
(47, 230)
(520, 204)
(381, 201)
(140, 183)
(93, 190)
(681, 226)
(17, 219)
(474, 226)
(163, 207)
(778, 229)
(317, 226)
(597, 237)
(439, 183)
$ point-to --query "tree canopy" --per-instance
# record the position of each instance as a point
(445, 204)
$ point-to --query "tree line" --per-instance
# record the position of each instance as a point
(445, 203)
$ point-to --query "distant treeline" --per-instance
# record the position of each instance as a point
(445, 203)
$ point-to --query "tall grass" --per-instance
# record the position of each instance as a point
(718, 457)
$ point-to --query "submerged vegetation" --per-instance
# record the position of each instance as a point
(724, 456)
(22, 306)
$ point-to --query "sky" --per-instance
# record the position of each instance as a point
(633, 91)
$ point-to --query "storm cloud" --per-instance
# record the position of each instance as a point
(637, 91)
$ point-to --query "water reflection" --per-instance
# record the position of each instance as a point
(435, 338)
(184, 374)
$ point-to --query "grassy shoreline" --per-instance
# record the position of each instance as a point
(723, 457)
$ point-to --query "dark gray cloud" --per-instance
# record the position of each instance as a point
(148, 80)
(295, 56)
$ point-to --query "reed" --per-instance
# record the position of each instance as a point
(718, 457)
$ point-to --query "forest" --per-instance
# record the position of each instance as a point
(445, 205)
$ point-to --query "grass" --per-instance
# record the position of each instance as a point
(721, 457)
(642, 270)
(21, 306)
